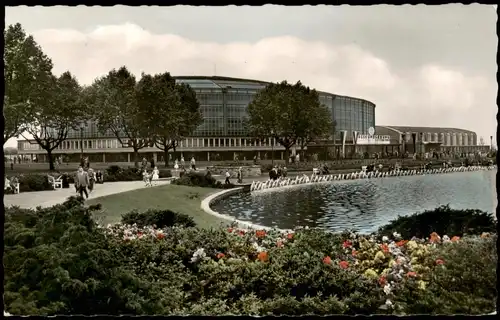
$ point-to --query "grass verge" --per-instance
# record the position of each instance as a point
(182, 199)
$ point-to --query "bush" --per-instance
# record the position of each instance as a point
(115, 173)
(442, 220)
(32, 182)
(198, 179)
(158, 218)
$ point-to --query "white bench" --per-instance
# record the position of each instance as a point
(363, 168)
(9, 185)
(316, 171)
(56, 183)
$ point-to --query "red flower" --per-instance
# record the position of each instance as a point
(347, 244)
(411, 274)
(401, 243)
(260, 233)
(263, 256)
(220, 255)
(241, 233)
(139, 234)
(382, 281)
(354, 253)
(327, 260)
(230, 230)
(439, 261)
(289, 236)
(384, 248)
(160, 236)
(344, 264)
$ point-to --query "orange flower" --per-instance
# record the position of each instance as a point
(160, 236)
(485, 235)
(382, 281)
(434, 237)
(220, 255)
(260, 233)
(401, 243)
(263, 256)
(347, 244)
(411, 274)
(439, 261)
(384, 248)
(344, 264)
(289, 236)
(455, 239)
(279, 244)
(354, 253)
(327, 260)
(229, 230)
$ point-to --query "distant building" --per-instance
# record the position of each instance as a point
(222, 135)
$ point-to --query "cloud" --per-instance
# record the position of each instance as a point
(427, 95)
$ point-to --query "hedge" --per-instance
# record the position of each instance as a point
(199, 179)
(31, 182)
(58, 260)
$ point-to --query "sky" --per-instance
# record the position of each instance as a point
(421, 65)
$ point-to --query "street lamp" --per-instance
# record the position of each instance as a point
(82, 126)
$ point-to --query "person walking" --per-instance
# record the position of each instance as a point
(182, 162)
(228, 175)
(92, 179)
(240, 176)
(156, 176)
(82, 179)
(193, 164)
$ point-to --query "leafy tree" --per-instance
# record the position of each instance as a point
(54, 111)
(289, 113)
(27, 68)
(116, 109)
(171, 110)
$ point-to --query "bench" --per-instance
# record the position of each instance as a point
(56, 183)
(10, 185)
(363, 168)
(316, 171)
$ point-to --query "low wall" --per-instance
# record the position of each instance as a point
(211, 199)
(247, 171)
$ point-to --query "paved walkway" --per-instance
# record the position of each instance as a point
(50, 198)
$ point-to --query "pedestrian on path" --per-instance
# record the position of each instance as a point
(82, 178)
(193, 164)
(92, 179)
(228, 175)
(156, 176)
(240, 176)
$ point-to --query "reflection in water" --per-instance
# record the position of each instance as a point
(364, 205)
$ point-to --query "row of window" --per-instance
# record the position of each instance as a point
(453, 139)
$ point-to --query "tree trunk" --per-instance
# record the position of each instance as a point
(302, 153)
(51, 160)
(165, 157)
(136, 157)
(287, 153)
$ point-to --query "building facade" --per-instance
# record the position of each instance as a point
(221, 136)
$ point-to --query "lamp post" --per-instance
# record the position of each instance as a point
(491, 143)
(272, 148)
(82, 126)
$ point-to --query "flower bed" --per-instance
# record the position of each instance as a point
(59, 261)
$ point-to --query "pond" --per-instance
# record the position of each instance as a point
(364, 205)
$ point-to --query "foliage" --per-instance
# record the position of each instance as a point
(288, 113)
(158, 218)
(27, 68)
(442, 220)
(32, 182)
(171, 110)
(198, 179)
(116, 173)
(117, 110)
(58, 261)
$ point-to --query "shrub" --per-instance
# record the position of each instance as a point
(198, 179)
(159, 218)
(442, 220)
(115, 173)
(33, 182)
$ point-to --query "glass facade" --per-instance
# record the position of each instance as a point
(224, 102)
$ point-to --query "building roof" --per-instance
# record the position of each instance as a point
(217, 82)
(428, 129)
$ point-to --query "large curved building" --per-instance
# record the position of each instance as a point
(222, 135)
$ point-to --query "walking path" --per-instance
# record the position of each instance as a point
(31, 200)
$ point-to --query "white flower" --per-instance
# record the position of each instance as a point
(388, 303)
(6, 314)
(198, 255)
(396, 236)
(257, 247)
(306, 254)
(385, 238)
(387, 289)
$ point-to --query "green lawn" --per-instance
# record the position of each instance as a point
(180, 199)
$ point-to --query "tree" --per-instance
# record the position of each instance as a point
(288, 114)
(54, 111)
(116, 108)
(171, 110)
(26, 67)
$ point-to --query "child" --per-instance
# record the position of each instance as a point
(156, 175)
(146, 178)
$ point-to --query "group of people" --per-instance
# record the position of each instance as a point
(239, 176)
(85, 180)
(277, 172)
(182, 166)
(150, 178)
